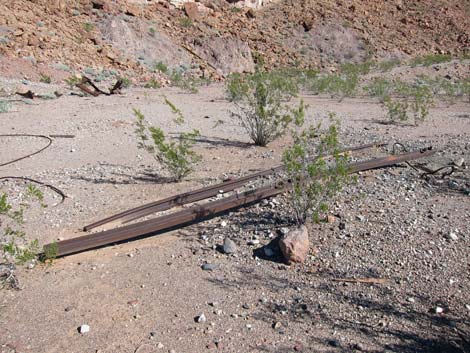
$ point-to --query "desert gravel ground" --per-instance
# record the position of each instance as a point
(145, 295)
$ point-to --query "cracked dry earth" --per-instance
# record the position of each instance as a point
(146, 295)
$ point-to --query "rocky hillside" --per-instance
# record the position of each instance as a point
(219, 36)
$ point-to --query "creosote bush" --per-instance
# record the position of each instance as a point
(430, 59)
(177, 158)
(15, 248)
(72, 81)
(316, 168)
(414, 102)
(261, 99)
(45, 78)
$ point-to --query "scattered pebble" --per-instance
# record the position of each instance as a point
(452, 236)
(361, 218)
(84, 328)
(229, 246)
(298, 347)
(253, 242)
(209, 267)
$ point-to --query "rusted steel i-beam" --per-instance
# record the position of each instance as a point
(200, 212)
(196, 195)
(197, 212)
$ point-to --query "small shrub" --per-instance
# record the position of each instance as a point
(350, 69)
(177, 157)
(34, 192)
(338, 85)
(287, 81)
(387, 65)
(73, 80)
(416, 102)
(236, 87)
(88, 26)
(186, 22)
(152, 32)
(379, 87)
(175, 110)
(316, 169)
(160, 66)
(45, 79)
(261, 111)
(4, 106)
(186, 83)
(126, 82)
(12, 240)
(430, 59)
(50, 252)
(464, 88)
(152, 83)
(396, 109)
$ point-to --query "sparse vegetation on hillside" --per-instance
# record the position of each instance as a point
(430, 59)
(45, 78)
(72, 81)
(152, 83)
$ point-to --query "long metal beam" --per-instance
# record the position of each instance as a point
(200, 212)
(196, 195)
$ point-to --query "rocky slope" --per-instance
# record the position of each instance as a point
(220, 36)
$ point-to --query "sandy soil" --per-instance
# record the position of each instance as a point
(143, 296)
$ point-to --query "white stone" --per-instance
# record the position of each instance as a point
(84, 328)
(453, 236)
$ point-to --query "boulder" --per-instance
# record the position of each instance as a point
(295, 245)
(196, 11)
(227, 55)
(192, 11)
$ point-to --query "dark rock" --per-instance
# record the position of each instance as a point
(209, 267)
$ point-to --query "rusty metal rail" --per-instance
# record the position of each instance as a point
(198, 213)
(196, 195)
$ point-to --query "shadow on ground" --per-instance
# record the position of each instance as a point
(382, 325)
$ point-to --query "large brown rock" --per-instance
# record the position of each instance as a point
(295, 245)
(227, 54)
(192, 10)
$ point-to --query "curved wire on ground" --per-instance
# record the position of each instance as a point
(31, 154)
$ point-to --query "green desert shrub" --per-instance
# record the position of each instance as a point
(177, 157)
